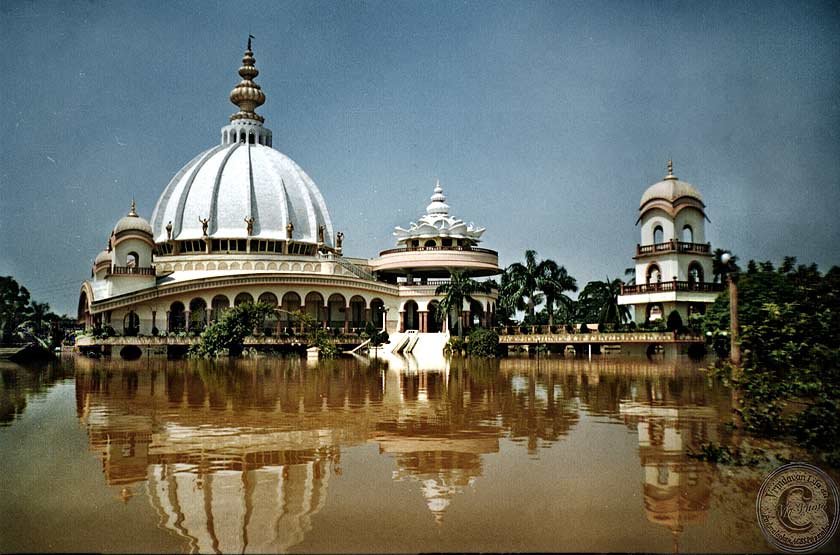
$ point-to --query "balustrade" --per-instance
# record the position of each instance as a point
(130, 271)
(674, 246)
(668, 286)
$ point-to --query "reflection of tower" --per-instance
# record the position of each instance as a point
(259, 510)
(676, 488)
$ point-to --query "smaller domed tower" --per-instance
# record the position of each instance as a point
(131, 257)
(673, 259)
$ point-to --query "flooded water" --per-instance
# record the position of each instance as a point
(275, 455)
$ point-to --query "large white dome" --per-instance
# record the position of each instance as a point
(231, 182)
(241, 179)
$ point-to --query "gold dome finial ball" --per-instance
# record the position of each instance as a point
(247, 95)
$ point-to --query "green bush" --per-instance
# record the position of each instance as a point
(675, 322)
(483, 343)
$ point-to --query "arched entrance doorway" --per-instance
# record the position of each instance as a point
(434, 323)
(410, 317)
(476, 314)
(131, 324)
(357, 312)
(198, 315)
(377, 313)
(177, 317)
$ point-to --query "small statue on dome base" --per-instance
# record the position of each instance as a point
(290, 227)
(339, 239)
(205, 223)
(249, 225)
(321, 230)
(169, 231)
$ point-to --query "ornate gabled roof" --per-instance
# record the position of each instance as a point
(670, 189)
(438, 223)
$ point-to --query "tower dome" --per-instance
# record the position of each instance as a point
(670, 189)
(132, 222)
(242, 187)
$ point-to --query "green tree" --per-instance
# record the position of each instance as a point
(228, 333)
(721, 270)
(14, 308)
(553, 281)
(459, 288)
(599, 299)
(520, 289)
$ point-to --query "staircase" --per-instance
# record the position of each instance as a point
(355, 269)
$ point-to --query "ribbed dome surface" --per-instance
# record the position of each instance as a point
(133, 223)
(670, 190)
(231, 182)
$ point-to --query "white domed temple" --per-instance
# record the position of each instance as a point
(243, 222)
(673, 260)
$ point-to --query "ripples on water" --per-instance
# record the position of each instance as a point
(266, 455)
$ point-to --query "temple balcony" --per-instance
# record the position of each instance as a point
(130, 271)
(674, 290)
(436, 261)
(673, 246)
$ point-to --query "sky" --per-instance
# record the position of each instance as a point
(544, 121)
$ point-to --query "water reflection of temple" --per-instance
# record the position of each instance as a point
(676, 488)
(240, 458)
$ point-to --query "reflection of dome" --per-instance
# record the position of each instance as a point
(132, 222)
(262, 510)
(670, 189)
(243, 177)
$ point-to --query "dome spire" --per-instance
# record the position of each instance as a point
(133, 211)
(671, 170)
(438, 204)
(247, 95)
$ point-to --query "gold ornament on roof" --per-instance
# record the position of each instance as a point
(247, 95)
(670, 170)
(133, 211)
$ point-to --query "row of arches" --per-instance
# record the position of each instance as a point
(654, 273)
(431, 321)
(687, 235)
(334, 312)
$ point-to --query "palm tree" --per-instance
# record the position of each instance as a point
(520, 284)
(460, 288)
(721, 270)
(554, 281)
(631, 273)
(602, 297)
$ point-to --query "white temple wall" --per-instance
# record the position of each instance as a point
(141, 248)
(693, 218)
(652, 219)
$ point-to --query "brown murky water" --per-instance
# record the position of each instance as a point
(273, 455)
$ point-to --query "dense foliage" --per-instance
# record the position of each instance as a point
(483, 343)
(227, 334)
(24, 320)
(525, 286)
(460, 288)
(790, 374)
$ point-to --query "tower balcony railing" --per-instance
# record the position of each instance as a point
(669, 286)
(130, 271)
(674, 246)
(452, 248)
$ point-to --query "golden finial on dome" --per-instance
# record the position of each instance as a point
(670, 170)
(133, 211)
(247, 95)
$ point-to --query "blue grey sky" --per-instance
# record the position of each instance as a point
(545, 121)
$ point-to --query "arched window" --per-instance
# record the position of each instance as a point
(654, 312)
(132, 260)
(377, 313)
(695, 272)
(476, 314)
(314, 305)
(219, 304)
(269, 298)
(687, 234)
(242, 298)
(654, 274)
(198, 314)
(336, 305)
(357, 311)
(434, 323)
(410, 319)
(289, 305)
(429, 243)
(658, 234)
(131, 324)
(177, 317)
